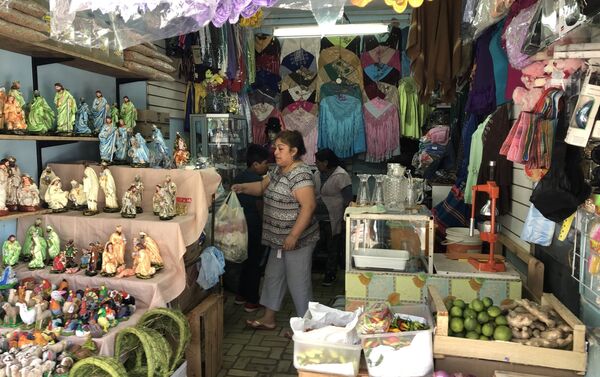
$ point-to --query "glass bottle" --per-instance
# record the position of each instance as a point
(377, 198)
(363, 196)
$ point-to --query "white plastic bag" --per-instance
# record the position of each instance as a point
(324, 324)
(538, 229)
(231, 230)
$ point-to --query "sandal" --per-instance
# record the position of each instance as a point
(257, 325)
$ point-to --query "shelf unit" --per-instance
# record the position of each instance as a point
(47, 138)
(19, 215)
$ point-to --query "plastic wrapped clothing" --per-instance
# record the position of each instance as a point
(537, 229)
(211, 267)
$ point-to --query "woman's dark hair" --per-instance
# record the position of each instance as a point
(293, 139)
(333, 161)
(256, 153)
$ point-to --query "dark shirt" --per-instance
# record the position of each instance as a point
(249, 202)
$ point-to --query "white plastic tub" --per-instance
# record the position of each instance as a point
(322, 357)
(388, 259)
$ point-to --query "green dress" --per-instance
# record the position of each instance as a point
(128, 114)
(114, 114)
(11, 252)
(66, 108)
(41, 116)
(53, 242)
(38, 254)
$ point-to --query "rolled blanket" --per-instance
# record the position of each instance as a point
(29, 7)
(142, 59)
(150, 53)
(23, 19)
(148, 72)
(10, 30)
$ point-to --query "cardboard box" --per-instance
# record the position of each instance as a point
(485, 368)
(145, 128)
(148, 116)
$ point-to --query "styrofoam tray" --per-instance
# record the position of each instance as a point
(381, 258)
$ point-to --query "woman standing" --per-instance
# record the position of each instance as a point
(289, 228)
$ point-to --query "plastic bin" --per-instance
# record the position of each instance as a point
(322, 357)
(401, 354)
(381, 258)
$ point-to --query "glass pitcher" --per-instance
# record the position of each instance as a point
(363, 196)
(394, 188)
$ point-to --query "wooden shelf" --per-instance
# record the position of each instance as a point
(47, 138)
(18, 215)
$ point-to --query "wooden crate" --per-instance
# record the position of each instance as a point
(444, 345)
(206, 346)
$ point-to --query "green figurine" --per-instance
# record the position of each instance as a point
(53, 243)
(34, 229)
(11, 250)
(114, 114)
(128, 113)
(41, 116)
(66, 108)
(38, 253)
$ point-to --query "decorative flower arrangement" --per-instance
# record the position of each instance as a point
(214, 81)
(253, 21)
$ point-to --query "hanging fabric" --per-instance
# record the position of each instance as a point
(382, 130)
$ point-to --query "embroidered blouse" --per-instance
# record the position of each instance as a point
(382, 130)
(297, 93)
(304, 78)
(302, 116)
(341, 125)
(352, 44)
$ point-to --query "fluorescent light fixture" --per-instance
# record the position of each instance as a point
(318, 31)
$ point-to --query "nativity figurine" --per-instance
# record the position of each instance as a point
(45, 179)
(56, 197)
(38, 254)
(71, 256)
(162, 155)
(41, 116)
(14, 183)
(143, 264)
(121, 143)
(3, 188)
(66, 108)
(100, 111)
(90, 188)
(139, 193)
(129, 203)
(95, 263)
(152, 249)
(128, 113)
(11, 251)
(52, 242)
(15, 91)
(34, 229)
(14, 116)
(138, 152)
(59, 264)
(114, 113)
(28, 195)
(156, 199)
(77, 196)
(85, 259)
(82, 118)
(118, 241)
(107, 183)
(2, 102)
(181, 155)
(109, 261)
(108, 140)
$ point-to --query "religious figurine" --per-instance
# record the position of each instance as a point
(2, 101)
(15, 91)
(11, 251)
(129, 203)
(56, 197)
(139, 193)
(128, 113)
(109, 261)
(77, 196)
(34, 229)
(14, 183)
(121, 143)
(14, 117)
(162, 154)
(90, 188)
(45, 179)
(138, 151)
(156, 199)
(167, 200)
(152, 249)
(108, 139)
(95, 263)
(28, 195)
(114, 113)
(71, 254)
(85, 259)
(3, 188)
(118, 241)
(181, 155)
(172, 190)
(66, 108)
(143, 269)
(59, 264)
(107, 183)
(37, 253)
(100, 111)
(41, 116)
(52, 242)
(82, 121)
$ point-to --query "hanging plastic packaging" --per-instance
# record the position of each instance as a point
(211, 267)
(514, 37)
(543, 29)
(231, 230)
(537, 229)
(327, 13)
(488, 13)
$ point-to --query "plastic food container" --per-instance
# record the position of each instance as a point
(322, 357)
(401, 354)
(381, 258)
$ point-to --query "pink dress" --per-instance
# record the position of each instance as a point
(382, 129)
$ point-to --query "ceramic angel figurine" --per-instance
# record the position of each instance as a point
(66, 108)
(28, 195)
(138, 151)
(37, 253)
(162, 154)
(129, 203)
(152, 249)
(109, 261)
(107, 183)
(128, 113)
(139, 193)
(41, 115)
(11, 251)
(90, 188)
(156, 199)
(118, 241)
(34, 229)
(100, 111)
(56, 197)
(14, 183)
(77, 196)
(181, 155)
(59, 263)
(53, 242)
(3, 187)
(122, 143)
(143, 269)
(45, 179)
(108, 139)
(82, 118)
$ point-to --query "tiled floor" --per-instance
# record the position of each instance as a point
(261, 353)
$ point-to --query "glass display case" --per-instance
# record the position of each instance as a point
(222, 139)
(390, 242)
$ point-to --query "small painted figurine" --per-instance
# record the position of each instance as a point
(85, 259)
(156, 199)
(108, 139)
(11, 251)
(152, 249)
(95, 263)
(90, 188)
(162, 155)
(168, 199)
(118, 240)
(53, 242)
(38, 254)
(2, 102)
(107, 183)
(128, 113)
(109, 261)
(114, 113)
(143, 269)
(122, 143)
(33, 230)
(66, 108)
(129, 203)
(56, 197)
(139, 193)
(15, 91)
(14, 116)
(28, 195)
(77, 196)
(100, 111)
(59, 264)
(138, 151)
(182, 154)
(82, 122)
(70, 255)
(3, 188)
(41, 116)
(14, 183)
(45, 179)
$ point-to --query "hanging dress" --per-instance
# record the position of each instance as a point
(382, 129)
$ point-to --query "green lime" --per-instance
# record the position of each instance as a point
(470, 306)
(472, 335)
(470, 324)
(487, 329)
(494, 311)
(478, 328)
(477, 305)
(502, 333)
(500, 321)
(456, 325)
(483, 317)
(469, 313)
(460, 303)
(483, 337)
(456, 311)
(487, 302)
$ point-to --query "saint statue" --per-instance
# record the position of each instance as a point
(15, 91)
(90, 188)
(128, 113)
(143, 264)
(3, 188)
(66, 108)
(41, 116)
(100, 111)
(77, 196)
(166, 207)
(153, 251)
(108, 139)
(118, 241)
(107, 183)
(56, 197)
(162, 154)
(11, 251)
(181, 155)
(128, 203)
(138, 151)
(14, 183)
(82, 121)
(28, 195)
(53, 242)
(2, 101)
(114, 113)
(121, 143)
(139, 193)
(109, 260)
(34, 229)
(45, 179)
(14, 117)
(38, 253)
